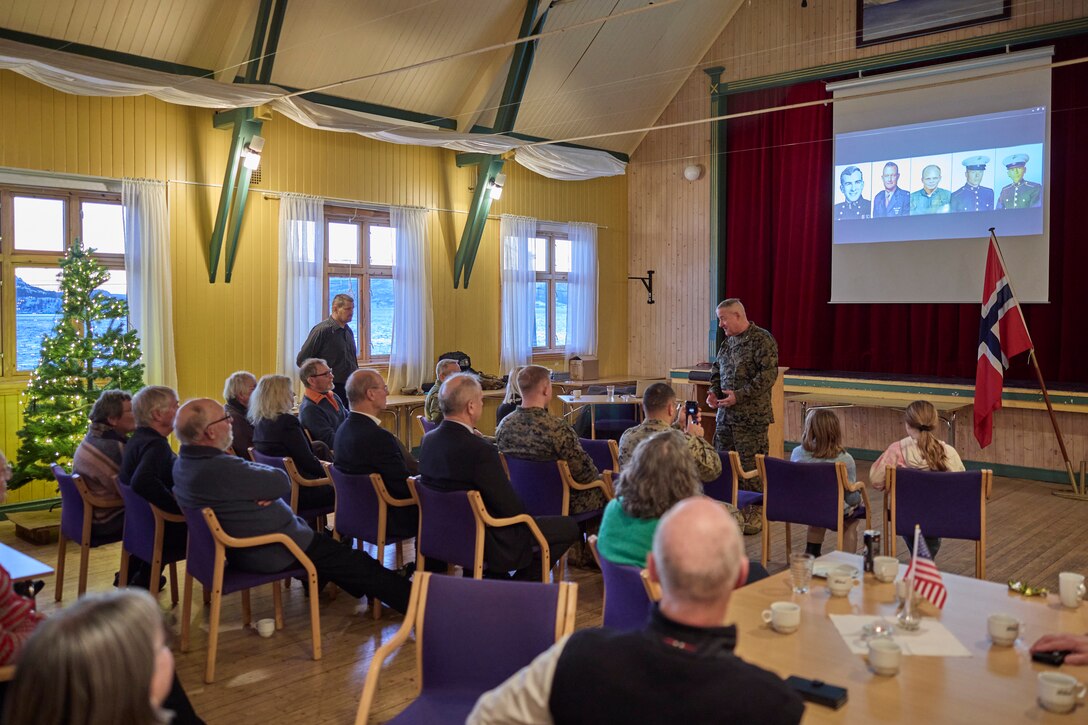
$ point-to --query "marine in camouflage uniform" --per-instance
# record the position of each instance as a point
(430, 404)
(747, 364)
(707, 461)
(536, 435)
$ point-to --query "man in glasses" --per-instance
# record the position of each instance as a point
(322, 411)
(248, 500)
(333, 341)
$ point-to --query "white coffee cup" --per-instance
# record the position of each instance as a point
(576, 393)
(1058, 692)
(1003, 628)
(841, 580)
(784, 617)
(885, 568)
(1070, 589)
(885, 656)
(266, 627)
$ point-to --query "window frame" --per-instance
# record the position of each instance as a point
(362, 272)
(12, 258)
(551, 277)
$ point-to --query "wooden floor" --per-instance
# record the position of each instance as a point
(1032, 536)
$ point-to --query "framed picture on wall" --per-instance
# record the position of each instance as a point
(881, 21)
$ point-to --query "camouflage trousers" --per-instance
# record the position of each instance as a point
(747, 440)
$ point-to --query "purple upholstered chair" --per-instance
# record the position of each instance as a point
(452, 526)
(611, 420)
(287, 465)
(471, 635)
(605, 453)
(943, 503)
(145, 526)
(76, 510)
(805, 493)
(207, 563)
(726, 487)
(626, 603)
(362, 512)
(425, 425)
(544, 487)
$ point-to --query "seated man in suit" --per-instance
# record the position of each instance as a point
(148, 466)
(248, 499)
(455, 458)
(364, 447)
(532, 433)
(322, 411)
(680, 667)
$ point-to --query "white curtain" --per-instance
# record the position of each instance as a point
(517, 291)
(411, 357)
(582, 290)
(147, 268)
(302, 255)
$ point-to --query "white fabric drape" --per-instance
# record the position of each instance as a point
(582, 290)
(147, 269)
(302, 256)
(413, 322)
(79, 75)
(517, 291)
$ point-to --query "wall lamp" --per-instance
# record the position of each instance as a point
(496, 184)
(251, 153)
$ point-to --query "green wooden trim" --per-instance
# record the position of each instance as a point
(718, 241)
(477, 220)
(1050, 31)
(521, 62)
(273, 42)
(226, 196)
(967, 391)
(350, 104)
(625, 158)
(251, 128)
(41, 504)
(114, 56)
(464, 159)
(256, 46)
(1005, 470)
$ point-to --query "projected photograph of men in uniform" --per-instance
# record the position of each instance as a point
(931, 198)
(852, 186)
(892, 200)
(1025, 190)
(974, 195)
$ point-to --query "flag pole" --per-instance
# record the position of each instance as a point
(908, 618)
(1078, 492)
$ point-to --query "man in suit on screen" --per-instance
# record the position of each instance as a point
(893, 201)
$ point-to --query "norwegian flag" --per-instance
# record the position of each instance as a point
(1002, 334)
(926, 577)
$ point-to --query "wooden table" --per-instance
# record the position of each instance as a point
(996, 685)
(946, 409)
(22, 567)
(402, 408)
(576, 404)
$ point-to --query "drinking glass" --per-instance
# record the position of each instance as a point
(611, 392)
(801, 571)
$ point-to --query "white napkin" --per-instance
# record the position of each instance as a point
(931, 639)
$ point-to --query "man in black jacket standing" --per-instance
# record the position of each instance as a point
(455, 458)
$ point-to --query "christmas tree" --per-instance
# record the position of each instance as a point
(90, 350)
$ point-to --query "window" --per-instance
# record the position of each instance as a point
(551, 259)
(362, 252)
(36, 229)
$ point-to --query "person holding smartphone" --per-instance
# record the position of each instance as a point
(661, 413)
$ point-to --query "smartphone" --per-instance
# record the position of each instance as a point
(1054, 657)
(818, 691)
(691, 411)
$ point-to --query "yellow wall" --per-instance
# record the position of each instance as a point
(224, 327)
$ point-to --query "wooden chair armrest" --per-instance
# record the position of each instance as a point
(608, 478)
(590, 486)
(864, 497)
(855, 486)
(314, 482)
(250, 541)
(103, 502)
(653, 589)
(545, 550)
(167, 516)
(748, 475)
(370, 686)
(383, 493)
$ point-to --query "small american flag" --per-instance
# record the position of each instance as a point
(927, 579)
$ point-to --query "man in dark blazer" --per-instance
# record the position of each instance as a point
(363, 447)
(455, 458)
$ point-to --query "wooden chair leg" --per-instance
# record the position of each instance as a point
(277, 604)
(766, 536)
(207, 595)
(174, 583)
(84, 559)
(213, 632)
(62, 544)
(186, 612)
(789, 542)
(156, 572)
(315, 619)
(122, 576)
(247, 615)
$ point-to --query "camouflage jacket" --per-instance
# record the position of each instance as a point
(707, 461)
(430, 405)
(537, 435)
(748, 365)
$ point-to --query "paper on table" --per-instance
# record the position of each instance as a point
(931, 640)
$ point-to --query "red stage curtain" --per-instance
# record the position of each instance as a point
(778, 249)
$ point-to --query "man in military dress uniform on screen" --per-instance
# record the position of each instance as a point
(741, 377)
(856, 206)
(972, 196)
(1020, 194)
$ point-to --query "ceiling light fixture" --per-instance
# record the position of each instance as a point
(251, 153)
(496, 185)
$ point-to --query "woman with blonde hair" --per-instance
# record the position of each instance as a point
(821, 442)
(278, 432)
(921, 450)
(512, 399)
(106, 659)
